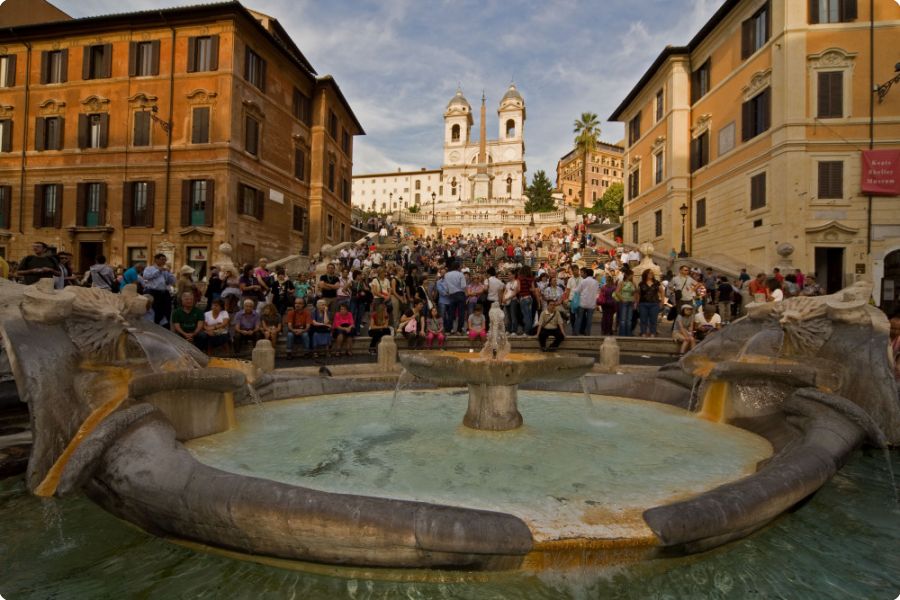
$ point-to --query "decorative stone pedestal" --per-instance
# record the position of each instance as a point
(387, 354)
(609, 354)
(264, 356)
(493, 407)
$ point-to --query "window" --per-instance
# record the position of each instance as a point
(143, 59)
(345, 190)
(758, 191)
(634, 184)
(418, 197)
(832, 11)
(49, 133)
(345, 142)
(97, 62)
(138, 204)
(6, 127)
(299, 164)
(700, 208)
(299, 220)
(331, 176)
(700, 82)
(141, 136)
(330, 230)
(8, 70)
(54, 66)
(90, 204)
(343, 231)
(634, 232)
(755, 32)
(659, 105)
(830, 95)
(197, 202)
(333, 126)
(251, 135)
(755, 115)
(302, 107)
(255, 69)
(658, 223)
(831, 179)
(454, 133)
(93, 130)
(658, 167)
(48, 205)
(5, 207)
(510, 128)
(203, 53)
(200, 125)
(700, 151)
(418, 184)
(634, 129)
(251, 201)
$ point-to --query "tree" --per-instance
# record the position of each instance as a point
(587, 135)
(609, 205)
(539, 193)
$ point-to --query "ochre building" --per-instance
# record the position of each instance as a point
(604, 169)
(169, 131)
(757, 127)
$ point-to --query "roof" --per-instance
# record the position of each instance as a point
(397, 173)
(513, 94)
(668, 51)
(26, 12)
(164, 16)
(459, 100)
(600, 146)
(329, 81)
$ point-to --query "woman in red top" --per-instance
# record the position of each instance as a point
(526, 298)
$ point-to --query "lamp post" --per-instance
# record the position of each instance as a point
(400, 210)
(433, 200)
(684, 211)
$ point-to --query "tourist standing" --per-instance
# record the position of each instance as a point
(156, 280)
(684, 286)
(40, 264)
(650, 301)
(588, 291)
(625, 294)
(456, 290)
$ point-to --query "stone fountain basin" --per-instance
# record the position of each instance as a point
(469, 368)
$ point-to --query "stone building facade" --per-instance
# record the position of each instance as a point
(756, 128)
(173, 130)
(605, 168)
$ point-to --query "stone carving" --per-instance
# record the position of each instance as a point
(758, 82)
(94, 103)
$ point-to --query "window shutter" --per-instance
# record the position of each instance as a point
(210, 202)
(746, 41)
(102, 218)
(200, 126)
(848, 10)
(192, 55)
(260, 204)
(38, 205)
(836, 94)
(765, 109)
(83, 125)
(813, 11)
(132, 59)
(151, 204)
(704, 148)
(39, 133)
(45, 66)
(213, 53)
(11, 72)
(64, 66)
(154, 57)
(823, 180)
(57, 216)
(746, 121)
(86, 63)
(186, 203)
(836, 179)
(80, 205)
(141, 129)
(127, 205)
(262, 75)
(106, 67)
(6, 142)
(6, 206)
(693, 155)
(60, 134)
(823, 98)
(104, 130)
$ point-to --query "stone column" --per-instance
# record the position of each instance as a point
(387, 354)
(493, 407)
(264, 356)
(609, 354)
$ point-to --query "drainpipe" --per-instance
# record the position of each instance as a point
(24, 134)
(872, 88)
(165, 228)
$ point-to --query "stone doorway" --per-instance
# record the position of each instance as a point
(830, 269)
(87, 255)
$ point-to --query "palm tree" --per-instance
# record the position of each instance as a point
(587, 135)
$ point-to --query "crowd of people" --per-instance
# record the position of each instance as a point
(426, 290)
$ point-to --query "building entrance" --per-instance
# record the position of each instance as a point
(87, 254)
(890, 283)
(830, 269)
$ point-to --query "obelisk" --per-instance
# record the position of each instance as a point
(482, 181)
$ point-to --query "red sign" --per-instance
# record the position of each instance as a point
(881, 172)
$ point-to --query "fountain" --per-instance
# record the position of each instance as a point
(144, 426)
(493, 376)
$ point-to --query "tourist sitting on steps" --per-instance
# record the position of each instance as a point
(187, 320)
(707, 321)
(271, 323)
(477, 325)
(342, 331)
(320, 327)
(298, 321)
(434, 329)
(412, 326)
(550, 324)
(246, 326)
(683, 328)
(215, 329)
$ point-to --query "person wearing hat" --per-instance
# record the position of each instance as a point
(186, 285)
(684, 327)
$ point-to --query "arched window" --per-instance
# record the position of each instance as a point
(509, 185)
(418, 184)
(453, 187)
(454, 133)
(510, 128)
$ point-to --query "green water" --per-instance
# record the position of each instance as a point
(571, 471)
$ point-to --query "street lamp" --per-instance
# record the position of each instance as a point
(400, 210)
(433, 200)
(684, 211)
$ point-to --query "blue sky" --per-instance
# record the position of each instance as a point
(398, 62)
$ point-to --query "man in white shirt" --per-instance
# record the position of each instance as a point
(587, 291)
(684, 286)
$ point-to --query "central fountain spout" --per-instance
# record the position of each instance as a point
(493, 376)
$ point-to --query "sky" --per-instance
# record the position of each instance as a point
(399, 62)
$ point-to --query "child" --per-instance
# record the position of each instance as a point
(434, 329)
(476, 324)
(683, 329)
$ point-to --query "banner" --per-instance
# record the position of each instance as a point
(881, 172)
